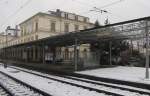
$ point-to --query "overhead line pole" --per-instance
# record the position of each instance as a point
(76, 54)
(110, 52)
(5, 50)
(147, 50)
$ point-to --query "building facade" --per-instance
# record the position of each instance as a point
(6, 38)
(43, 25)
(52, 23)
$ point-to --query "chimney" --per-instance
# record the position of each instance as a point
(58, 12)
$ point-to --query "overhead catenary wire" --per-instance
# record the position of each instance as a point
(107, 5)
(18, 10)
(23, 6)
(101, 10)
(61, 4)
(106, 11)
(89, 5)
(2, 1)
(113, 3)
(83, 3)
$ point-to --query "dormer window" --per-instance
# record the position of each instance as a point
(9, 33)
(66, 15)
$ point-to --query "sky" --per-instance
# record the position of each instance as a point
(13, 12)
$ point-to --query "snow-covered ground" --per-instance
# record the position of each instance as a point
(50, 86)
(134, 74)
(123, 92)
(61, 89)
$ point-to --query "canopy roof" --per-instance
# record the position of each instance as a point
(122, 30)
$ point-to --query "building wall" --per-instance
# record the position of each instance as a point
(39, 26)
(45, 24)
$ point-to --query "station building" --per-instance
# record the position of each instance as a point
(73, 49)
(50, 24)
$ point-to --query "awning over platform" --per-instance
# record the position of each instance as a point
(123, 30)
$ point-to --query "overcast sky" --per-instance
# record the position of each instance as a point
(13, 12)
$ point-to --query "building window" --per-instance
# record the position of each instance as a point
(85, 27)
(76, 27)
(66, 27)
(21, 31)
(36, 26)
(32, 27)
(76, 18)
(32, 38)
(53, 26)
(36, 37)
(24, 31)
(85, 19)
(28, 39)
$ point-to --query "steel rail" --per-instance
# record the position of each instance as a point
(92, 82)
(27, 85)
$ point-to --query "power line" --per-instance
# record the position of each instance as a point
(142, 4)
(113, 3)
(61, 4)
(1, 0)
(12, 15)
(96, 9)
(5, 2)
(83, 3)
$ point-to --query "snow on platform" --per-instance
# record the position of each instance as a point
(134, 74)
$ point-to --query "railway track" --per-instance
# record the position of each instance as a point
(4, 91)
(15, 87)
(101, 87)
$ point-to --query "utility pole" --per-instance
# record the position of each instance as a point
(110, 54)
(131, 47)
(101, 11)
(5, 50)
(147, 51)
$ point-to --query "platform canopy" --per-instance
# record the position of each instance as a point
(132, 29)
